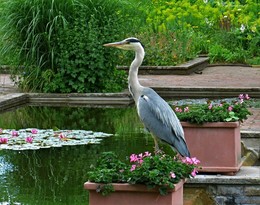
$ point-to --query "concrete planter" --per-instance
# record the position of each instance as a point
(216, 145)
(127, 194)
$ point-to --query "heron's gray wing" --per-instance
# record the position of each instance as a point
(159, 118)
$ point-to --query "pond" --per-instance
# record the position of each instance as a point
(56, 175)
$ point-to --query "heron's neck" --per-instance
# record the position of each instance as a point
(133, 82)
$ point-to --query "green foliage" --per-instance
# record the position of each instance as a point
(219, 53)
(212, 112)
(168, 48)
(158, 171)
(60, 43)
(30, 26)
(228, 30)
(83, 64)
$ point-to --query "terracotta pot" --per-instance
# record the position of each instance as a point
(216, 145)
(126, 194)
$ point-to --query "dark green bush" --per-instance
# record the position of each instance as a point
(60, 43)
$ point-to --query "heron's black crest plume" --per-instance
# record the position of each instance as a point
(134, 40)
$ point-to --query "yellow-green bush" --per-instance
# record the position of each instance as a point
(201, 14)
(233, 24)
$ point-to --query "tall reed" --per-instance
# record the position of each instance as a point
(41, 32)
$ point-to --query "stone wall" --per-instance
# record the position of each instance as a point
(241, 189)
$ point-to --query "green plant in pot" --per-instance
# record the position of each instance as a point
(160, 171)
(223, 111)
(212, 132)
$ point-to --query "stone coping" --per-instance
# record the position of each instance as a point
(195, 65)
(246, 175)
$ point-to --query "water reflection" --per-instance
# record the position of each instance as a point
(56, 175)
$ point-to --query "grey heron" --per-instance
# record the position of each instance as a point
(155, 113)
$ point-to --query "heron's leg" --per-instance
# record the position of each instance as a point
(156, 146)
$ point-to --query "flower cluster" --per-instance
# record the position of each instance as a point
(14, 133)
(223, 111)
(138, 159)
(159, 170)
(192, 161)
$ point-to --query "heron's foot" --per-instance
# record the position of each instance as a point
(158, 151)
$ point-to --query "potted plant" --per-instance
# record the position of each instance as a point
(145, 179)
(212, 133)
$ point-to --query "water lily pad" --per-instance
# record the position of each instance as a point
(31, 138)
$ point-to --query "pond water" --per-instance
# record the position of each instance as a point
(56, 175)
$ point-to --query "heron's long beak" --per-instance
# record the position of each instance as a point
(116, 44)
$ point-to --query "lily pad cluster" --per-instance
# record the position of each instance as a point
(32, 139)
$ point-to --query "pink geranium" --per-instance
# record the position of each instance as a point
(172, 175)
(194, 172)
(133, 158)
(138, 159)
(177, 109)
(191, 161)
(133, 167)
(230, 108)
(186, 109)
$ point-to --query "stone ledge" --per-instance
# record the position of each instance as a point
(246, 175)
(192, 92)
(187, 68)
(116, 99)
(250, 134)
(10, 101)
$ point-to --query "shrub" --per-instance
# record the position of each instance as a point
(234, 25)
(60, 43)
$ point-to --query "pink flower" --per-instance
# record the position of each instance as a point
(147, 154)
(34, 131)
(133, 167)
(177, 109)
(230, 108)
(186, 109)
(220, 105)
(3, 140)
(241, 101)
(172, 175)
(14, 133)
(241, 96)
(140, 161)
(62, 136)
(195, 160)
(194, 172)
(187, 160)
(29, 139)
(191, 161)
(247, 97)
(210, 106)
(133, 158)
